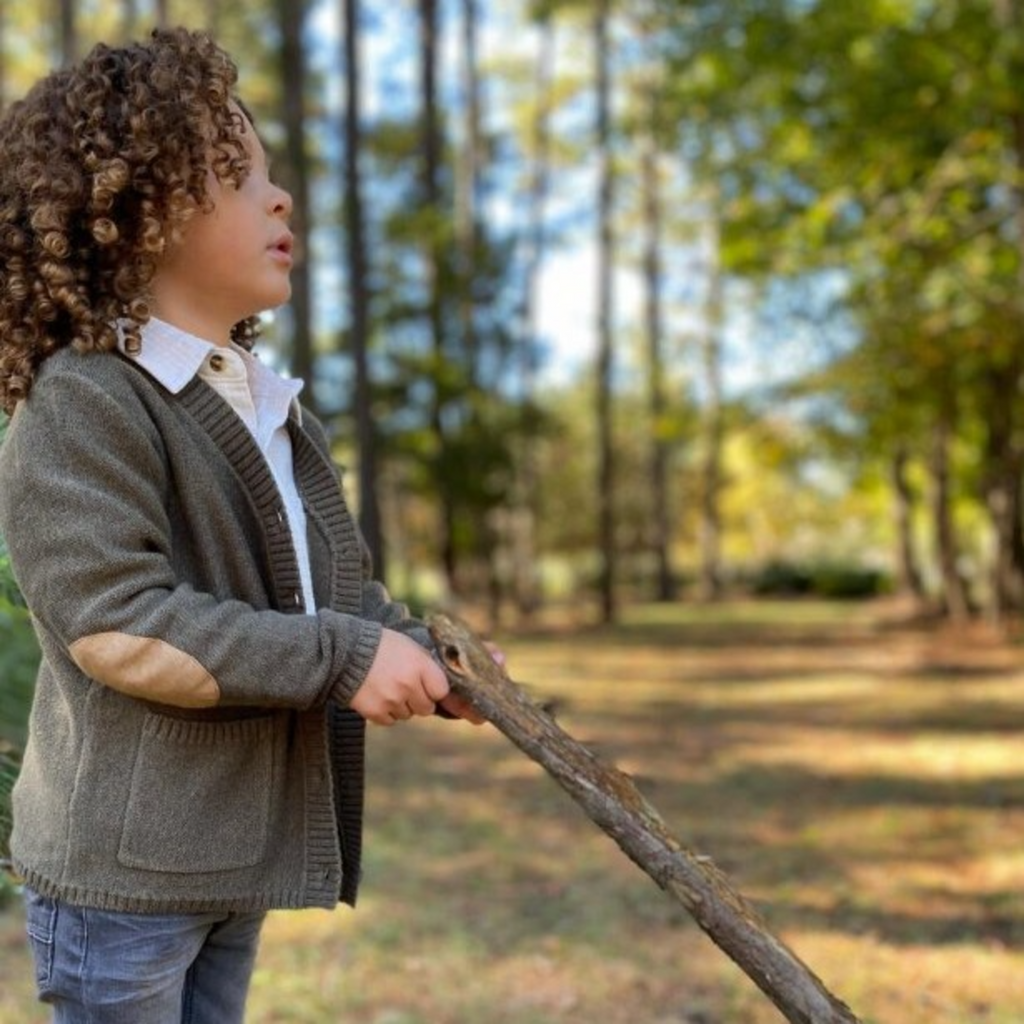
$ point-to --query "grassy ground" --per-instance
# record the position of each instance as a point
(860, 778)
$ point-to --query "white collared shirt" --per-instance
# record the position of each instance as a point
(261, 398)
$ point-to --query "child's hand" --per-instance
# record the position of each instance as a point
(403, 681)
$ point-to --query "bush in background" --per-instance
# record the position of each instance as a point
(19, 658)
(832, 580)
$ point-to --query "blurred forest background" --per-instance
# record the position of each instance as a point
(645, 299)
(614, 303)
(625, 300)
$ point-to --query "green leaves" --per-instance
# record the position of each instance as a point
(19, 659)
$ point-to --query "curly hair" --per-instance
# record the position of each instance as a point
(101, 166)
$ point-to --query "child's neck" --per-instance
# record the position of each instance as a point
(200, 327)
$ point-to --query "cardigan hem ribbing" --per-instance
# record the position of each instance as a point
(98, 899)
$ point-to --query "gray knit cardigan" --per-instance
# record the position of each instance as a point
(190, 743)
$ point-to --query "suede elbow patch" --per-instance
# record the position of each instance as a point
(146, 668)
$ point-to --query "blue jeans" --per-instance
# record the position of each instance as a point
(100, 967)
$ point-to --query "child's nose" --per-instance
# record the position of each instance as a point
(282, 202)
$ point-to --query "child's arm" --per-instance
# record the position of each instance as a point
(83, 507)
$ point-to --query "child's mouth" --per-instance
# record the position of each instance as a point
(283, 248)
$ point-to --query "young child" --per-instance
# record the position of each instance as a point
(212, 641)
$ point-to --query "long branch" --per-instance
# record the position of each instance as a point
(613, 802)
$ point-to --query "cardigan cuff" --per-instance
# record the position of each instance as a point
(364, 650)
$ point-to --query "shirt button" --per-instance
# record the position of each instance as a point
(217, 362)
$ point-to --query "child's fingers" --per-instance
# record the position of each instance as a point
(459, 707)
(420, 701)
(435, 682)
(496, 653)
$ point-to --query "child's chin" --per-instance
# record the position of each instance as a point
(277, 298)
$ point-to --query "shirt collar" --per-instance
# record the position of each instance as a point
(173, 357)
(170, 355)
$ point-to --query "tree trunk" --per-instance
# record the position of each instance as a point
(661, 534)
(3, 55)
(214, 17)
(523, 504)
(954, 590)
(163, 13)
(469, 241)
(710, 583)
(468, 181)
(431, 199)
(359, 297)
(1004, 497)
(67, 26)
(1003, 489)
(130, 18)
(612, 802)
(291, 17)
(908, 576)
(605, 307)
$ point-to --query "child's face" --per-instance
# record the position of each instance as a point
(233, 261)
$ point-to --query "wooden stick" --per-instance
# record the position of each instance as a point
(613, 802)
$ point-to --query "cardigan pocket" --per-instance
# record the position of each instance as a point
(201, 794)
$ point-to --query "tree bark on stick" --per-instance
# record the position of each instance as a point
(613, 802)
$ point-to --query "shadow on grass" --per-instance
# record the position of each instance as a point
(518, 862)
(920, 928)
(979, 718)
(703, 636)
(859, 784)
